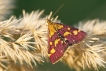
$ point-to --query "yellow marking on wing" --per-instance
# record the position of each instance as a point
(60, 26)
(75, 32)
(52, 51)
(66, 33)
(56, 41)
(50, 43)
(51, 30)
(53, 27)
(68, 28)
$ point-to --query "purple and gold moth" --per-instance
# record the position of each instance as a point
(60, 36)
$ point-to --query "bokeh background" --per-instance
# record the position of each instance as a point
(71, 13)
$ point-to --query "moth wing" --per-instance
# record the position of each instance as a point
(66, 36)
(56, 50)
(72, 35)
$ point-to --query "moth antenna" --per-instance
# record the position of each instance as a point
(51, 13)
(49, 19)
(57, 10)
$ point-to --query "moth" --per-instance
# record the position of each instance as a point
(60, 36)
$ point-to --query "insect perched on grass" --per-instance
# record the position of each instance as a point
(60, 36)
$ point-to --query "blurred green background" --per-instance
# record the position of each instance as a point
(71, 13)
